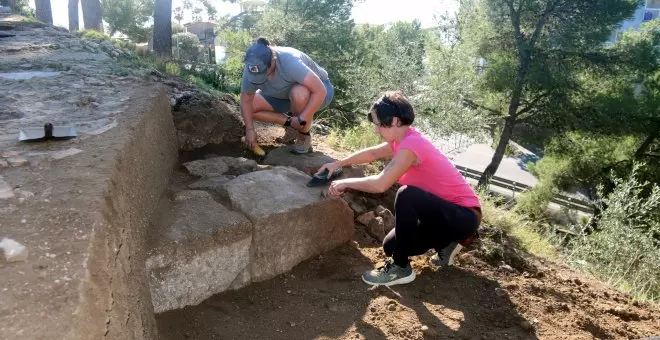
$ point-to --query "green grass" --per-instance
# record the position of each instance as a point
(93, 35)
(354, 138)
(518, 226)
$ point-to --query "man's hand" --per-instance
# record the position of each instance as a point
(337, 188)
(250, 138)
(331, 167)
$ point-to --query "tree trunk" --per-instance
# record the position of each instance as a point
(163, 28)
(43, 12)
(74, 23)
(647, 142)
(507, 132)
(92, 14)
(509, 123)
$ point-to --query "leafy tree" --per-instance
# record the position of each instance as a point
(534, 50)
(178, 14)
(453, 69)
(129, 17)
(614, 121)
(188, 46)
(323, 30)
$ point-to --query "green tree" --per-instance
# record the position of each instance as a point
(187, 46)
(129, 17)
(533, 54)
(321, 28)
(454, 67)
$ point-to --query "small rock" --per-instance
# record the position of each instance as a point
(292, 324)
(376, 228)
(391, 307)
(5, 190)
(379, 210)
(359, 208)
(13, 250)
(7, 154)
(64, 153)
(366, 218)
(506, 268)
(430, 332)
(526, 325)
(17, 161)
(207, 167)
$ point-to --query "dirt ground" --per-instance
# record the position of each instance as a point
(517, 296)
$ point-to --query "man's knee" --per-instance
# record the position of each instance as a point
(299, 96)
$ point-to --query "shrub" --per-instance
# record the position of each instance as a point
(625, 247)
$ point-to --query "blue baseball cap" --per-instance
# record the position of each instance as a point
(257, 59)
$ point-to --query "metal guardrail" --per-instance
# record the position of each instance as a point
(559, 198)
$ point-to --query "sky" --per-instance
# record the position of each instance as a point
(369, 11)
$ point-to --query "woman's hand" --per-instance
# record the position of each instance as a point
(331, 167)
(337, 188)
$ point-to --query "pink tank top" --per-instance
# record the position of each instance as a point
(434, 172)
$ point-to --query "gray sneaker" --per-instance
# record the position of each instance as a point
(389, 275)
(445, 257)
(289, 135)
(303, 144)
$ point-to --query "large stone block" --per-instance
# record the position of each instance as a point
(308, 163)
(291, 222)
(204, 251)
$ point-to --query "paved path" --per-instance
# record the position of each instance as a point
(478, 156)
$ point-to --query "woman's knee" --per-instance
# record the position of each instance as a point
(299, 96)
(405, 194)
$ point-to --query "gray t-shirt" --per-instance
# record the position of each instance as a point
(291, 68)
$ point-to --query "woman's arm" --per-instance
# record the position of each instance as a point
(367, 155)
(403, 160)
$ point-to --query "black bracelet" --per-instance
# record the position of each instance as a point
(288, 121)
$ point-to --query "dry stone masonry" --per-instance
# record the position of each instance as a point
(272, 223)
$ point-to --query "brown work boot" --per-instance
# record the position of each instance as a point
(289, 135)
(303, 143)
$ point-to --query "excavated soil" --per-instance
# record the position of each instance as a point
(515, 296)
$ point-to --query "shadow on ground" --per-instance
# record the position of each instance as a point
(325, 298)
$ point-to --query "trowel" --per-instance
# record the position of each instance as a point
(48, 131)
(322, 178)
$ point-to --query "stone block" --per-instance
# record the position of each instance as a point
(204, 251)
(291, 221)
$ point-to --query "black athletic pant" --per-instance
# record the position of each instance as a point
(425, 221)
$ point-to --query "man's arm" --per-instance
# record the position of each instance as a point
(317, 93)
(247, 109)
